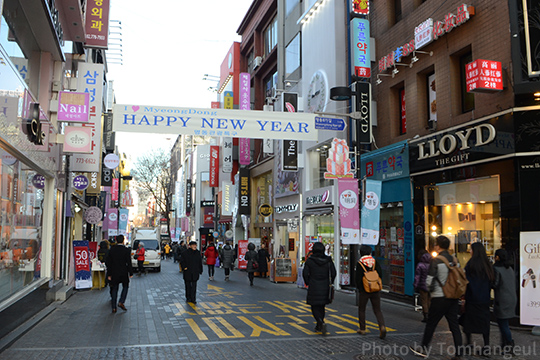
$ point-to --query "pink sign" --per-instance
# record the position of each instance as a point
(242, 250)
(484, 76)
(73, 106)
(349, 214)
(77, 139)
(114, 190)
(112, 216)
(244, 151)
(245, 91)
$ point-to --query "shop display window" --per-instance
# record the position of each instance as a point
(322, 227)
(21, 203)
(466, 212)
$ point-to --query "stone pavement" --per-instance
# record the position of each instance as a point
(231, 320)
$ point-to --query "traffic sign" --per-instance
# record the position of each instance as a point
(324, 123)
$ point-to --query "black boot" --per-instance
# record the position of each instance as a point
(425, 317)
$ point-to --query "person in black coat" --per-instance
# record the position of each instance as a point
(252, 258)
(319, 273)
(119, 271)
(264, 257)
(192, 267)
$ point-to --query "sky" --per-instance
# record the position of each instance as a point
(168, 46)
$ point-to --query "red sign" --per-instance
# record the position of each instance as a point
(92, 250)
(209, 218)
(484, 76)
(215, 104)
(114, 190)
(214, 166)
(82, 261)
(242, 250)
(97, 24)
(360, 7)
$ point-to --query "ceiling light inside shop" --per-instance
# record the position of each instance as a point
(434, 228)
(434, 254)
(434, 234)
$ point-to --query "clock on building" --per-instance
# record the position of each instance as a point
(317, 96)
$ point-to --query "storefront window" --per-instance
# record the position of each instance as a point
(466, 212)
(322, 227)
(21, 202)
(318, 158)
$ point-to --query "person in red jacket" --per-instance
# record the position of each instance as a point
(211, 254)
(140, 258)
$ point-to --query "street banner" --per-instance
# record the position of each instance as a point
(114, 190)
(244, 151)
(83, 276)
(251, 124)
(529, 268)
(349, 215)
(289, 160)
(244, 193)
(112, 216)
(242, 250)
(123, 221)
(371, 211)
(228, 198)
(214, 166)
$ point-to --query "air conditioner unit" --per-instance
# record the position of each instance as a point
(432, 125)
(257, 62)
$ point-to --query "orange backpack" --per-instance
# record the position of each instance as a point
(372, 281)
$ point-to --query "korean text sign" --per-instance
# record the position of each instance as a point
(97, 24)
(361, 60)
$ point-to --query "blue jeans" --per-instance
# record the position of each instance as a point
(114, 292)
(506, 335)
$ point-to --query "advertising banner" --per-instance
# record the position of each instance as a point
(338, 164)
(123, 221)
(529, 268)
(349, 215)
(244, 151)
(112, 216)
(214, 122)
(77, 139)
(83, 276)
(484, 76)
(91, 82)
(227, 149)
(371, 211)
(114, 190)
(290, 155)
(228, 198)
(97, 24)
(242, 250)
(244, 207)
(214, 166)
(73, 106)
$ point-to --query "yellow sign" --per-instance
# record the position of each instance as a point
(228, 100)
(265, 210)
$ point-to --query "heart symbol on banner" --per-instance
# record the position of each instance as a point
(135, 108)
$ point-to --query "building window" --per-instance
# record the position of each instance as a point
(402, 112)
(397, 10)
(270, 83)
(431, 101)
(467, 98)
(292, 56)
(250, 59)
(270, 37)
(317, 158)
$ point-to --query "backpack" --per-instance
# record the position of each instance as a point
(456, 283)
(371, 280)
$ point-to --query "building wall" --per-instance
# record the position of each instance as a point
(486, 34)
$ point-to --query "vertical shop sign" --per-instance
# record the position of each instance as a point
(112, 217)
(244, 207)
(108, 134)
(529, 265)
(83, 276)
(371, 211)
(214, 166)
(91, 81)
(106, 176)
(244, 151)
(228, 100)
(361, 59)
(123, 221)
(245, 91)
(97, 24)
(227, 155)
(114, 190)
(242, 250)
(349, 215)
(228, 199)
(189, 204)
(423, 34)
(363, 106)
(290, 155)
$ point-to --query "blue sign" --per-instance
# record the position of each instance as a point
(323, 123)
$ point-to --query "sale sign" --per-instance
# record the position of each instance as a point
(242, 250)
(483, 76)
(81, 255)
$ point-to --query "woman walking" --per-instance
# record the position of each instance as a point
(368, 263)
(263, 258)
(211, 255)
(140, 258)
(477, 297)
(420, 286)
(505, 297)
(319, 273)
(252, 263)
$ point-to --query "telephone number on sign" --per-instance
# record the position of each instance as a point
(85, 161)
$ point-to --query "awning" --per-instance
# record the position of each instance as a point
(225, 220)
(323, 210)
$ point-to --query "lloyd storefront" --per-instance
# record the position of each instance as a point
(478, 182)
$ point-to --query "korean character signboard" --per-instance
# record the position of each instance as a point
(483, 76)
(245, 91)
(97, 24)
(361, 60)
(73, 106)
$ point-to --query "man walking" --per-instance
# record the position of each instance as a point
(440, 305)
(192, 267)
(119, 271)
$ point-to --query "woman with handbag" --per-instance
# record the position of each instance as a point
(319, 274)
(252, 264)
(140, 258)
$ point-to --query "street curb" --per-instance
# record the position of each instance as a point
(13, 336)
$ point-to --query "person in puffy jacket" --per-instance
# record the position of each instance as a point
(420, 285)
(211, 254)
(227, 258)
(252, 262)
(319, 273)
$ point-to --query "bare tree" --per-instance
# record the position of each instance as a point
(153, 175)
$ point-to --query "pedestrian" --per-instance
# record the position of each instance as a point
(192, 267)
(103, 251)
(162, 248)
(211, 254)
(227, 259)
(419, 284)
(440, 305)
(119, 271)
(319, 273)
(179, 251)
(478, 296)
(140, 258)
(263, 259)
(252, 263)
(505, 302)
(368, 263)
(167, 251)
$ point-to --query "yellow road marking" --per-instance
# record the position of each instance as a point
(369, 324)
(257, 330)
(287, 308)
(220, 333)
(346, 330)
(196, 329)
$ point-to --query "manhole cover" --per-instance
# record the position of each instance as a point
(377, 357)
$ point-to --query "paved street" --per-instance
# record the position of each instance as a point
(231, 320)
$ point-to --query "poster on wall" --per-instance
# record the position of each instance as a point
(529, 268)
(371, 211)
(83, 276)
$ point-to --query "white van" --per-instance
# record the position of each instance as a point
(150, 239)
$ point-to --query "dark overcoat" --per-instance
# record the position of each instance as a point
(504, 306)
(250, 257)
(192, 265)
(319, 272)
(118, 264)
(263, 258)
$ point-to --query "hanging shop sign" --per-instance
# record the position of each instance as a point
(360, 51)
(93, 215)
(228, 198)
(290, 155)
(363, 107)
(244, 207)
(109, 136)
(286, 208)
(38, 181)
(479, 140)
(244, 151)
(389, 163)
(227, 150)
(484, 76)
(265, 210)
(106, 176)
(360, 7)
(228, 100)
(338, 164)
(73, 106)
(111, 161)
(97, 24)
(245, 91)
(208, 203)
(77, 139)
(80, 182)
(319, 198)
(214, 166)
(423, 34)
(115, 189)
(189, 203)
